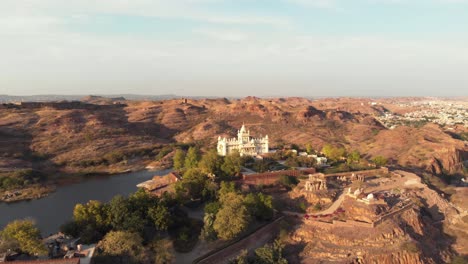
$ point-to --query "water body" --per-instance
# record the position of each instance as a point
(57, 208)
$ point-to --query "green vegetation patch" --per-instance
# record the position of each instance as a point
(20, 179)
(410, 246)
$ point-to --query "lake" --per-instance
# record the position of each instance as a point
(57, 208)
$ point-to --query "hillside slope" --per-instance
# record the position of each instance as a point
(109, 139)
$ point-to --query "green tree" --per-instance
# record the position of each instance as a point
(309, 148)
(192, 158)
(259, 205)
(162, 249)
(212, 208)
(211, 162)
(380, 161)
(241, 259)
(124, 246)
(332, 152)
(306, 162)
(232, 164)
(261, 166)
(160, 216)
(270, 254)
(122, 217)
(93, 212)
(232, 218)
(354, 156)
(292, 162)
(25, 235)
(91, 221)
(141, 201)
(226, 188)
(179, 159)
(195, 184)
(208, 233)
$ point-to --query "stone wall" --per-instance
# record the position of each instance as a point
(352, 223)
(335, 223)
(272, 177)
(363, 172)
(387, 216)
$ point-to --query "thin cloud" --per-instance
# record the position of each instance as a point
(224, 35)
(315, 3)
(185, 9)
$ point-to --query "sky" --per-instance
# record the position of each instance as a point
(235, 47)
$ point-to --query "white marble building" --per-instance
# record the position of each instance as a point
(244, 144)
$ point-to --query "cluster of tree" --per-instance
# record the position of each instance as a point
(353, 157)
(333, 153)
(22, 236)
(20, 178)
(124, 247)
(231, 214)
(300, 161)
(268, 254)
(209, 163)
(380, 161)
(137, 213)
(195, 185)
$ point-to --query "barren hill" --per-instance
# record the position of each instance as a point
(107, 139)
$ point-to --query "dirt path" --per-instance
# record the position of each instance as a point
(336, 204)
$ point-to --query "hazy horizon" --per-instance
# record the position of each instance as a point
(227, 48)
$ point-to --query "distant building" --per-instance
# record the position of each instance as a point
(244, 144)
(160, 184)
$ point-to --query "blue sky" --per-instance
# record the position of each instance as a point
(235, 47)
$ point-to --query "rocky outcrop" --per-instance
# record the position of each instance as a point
(452, 162)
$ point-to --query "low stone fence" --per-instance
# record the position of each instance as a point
(267, 178)
(353, 223)
(362, 172)
(337, 223)
(387, 216)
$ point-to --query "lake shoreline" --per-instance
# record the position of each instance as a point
(56, 208)
(39, 191)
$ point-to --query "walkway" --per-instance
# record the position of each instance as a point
(330, 210)
(336, 204)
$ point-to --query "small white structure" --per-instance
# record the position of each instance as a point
(321, 161)
(244, 144)
(357, 192)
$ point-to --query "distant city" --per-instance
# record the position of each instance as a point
(446, 113)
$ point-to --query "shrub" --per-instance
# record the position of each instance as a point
(288, 181)
(411, 247)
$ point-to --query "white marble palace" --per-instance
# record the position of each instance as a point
(245, 144)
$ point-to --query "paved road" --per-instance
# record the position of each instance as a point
(336, 204)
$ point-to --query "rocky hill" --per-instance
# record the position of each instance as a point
(106, 139)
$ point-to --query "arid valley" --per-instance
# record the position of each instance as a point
(344, 180)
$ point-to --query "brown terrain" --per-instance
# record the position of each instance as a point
(100, 135)
(428, 229)
(112, 137)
